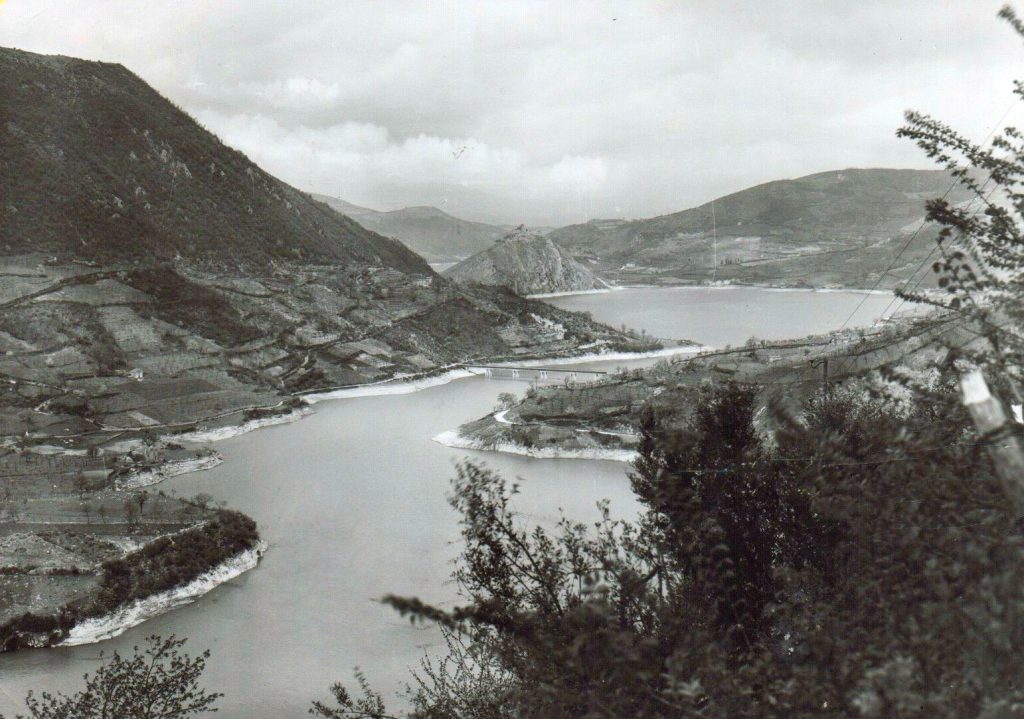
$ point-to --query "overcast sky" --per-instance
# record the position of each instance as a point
(550, 112)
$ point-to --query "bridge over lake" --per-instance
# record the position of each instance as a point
(536, 374)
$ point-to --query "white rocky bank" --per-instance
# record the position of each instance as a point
(131, 615)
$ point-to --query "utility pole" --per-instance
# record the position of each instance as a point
(999, 433)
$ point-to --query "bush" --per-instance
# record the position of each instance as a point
(863, 564)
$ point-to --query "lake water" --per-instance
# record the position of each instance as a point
(352, 502)
(718, 316)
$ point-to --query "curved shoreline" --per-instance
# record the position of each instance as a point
(766, 288)
(398, 385)
(99, 629)
(91, 631)
(453, 439)
(112, 625)
(172, 468)
(215, 434)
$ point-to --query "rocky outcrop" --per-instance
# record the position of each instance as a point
(528, 264)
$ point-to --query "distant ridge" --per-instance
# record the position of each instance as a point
(428, 231)
(831, 228)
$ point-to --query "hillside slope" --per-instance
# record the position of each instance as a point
(839, 228)
(99, 166)
(526, 263)
(428, 231)
(151, 276)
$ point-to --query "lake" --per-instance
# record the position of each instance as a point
(352, 502)
(719, 316)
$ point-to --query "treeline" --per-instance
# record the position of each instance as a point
(163, 564)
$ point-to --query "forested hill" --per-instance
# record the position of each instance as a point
(99, 166)
(841, 227)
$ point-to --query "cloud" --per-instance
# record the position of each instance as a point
(296, 93)
(364, 163)
(550, 112)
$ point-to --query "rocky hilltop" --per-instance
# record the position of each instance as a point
(528, 264)
(430, 232)
(841, 228)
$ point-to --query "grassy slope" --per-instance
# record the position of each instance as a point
(842, 227)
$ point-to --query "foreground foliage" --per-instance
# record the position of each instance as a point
(856, 560)
(155, 682)
(863, 564)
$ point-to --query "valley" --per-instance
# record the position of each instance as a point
(511, 361)
(155, 282)
(169, 288)
(427, 231)
(324, 490)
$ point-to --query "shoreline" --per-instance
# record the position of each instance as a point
(766, 288)
(705, 286)
(398, 385)
(111, 625)
(571, 293)
(166, 470)
(452, 438)
(215, 434)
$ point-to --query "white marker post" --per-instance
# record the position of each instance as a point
(999, 434)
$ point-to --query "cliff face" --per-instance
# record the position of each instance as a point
(528, 264)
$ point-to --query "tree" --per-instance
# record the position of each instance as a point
(863, 564)
(981, 244)
(131, 511)
(140, 499)
(157, 681)
(81, 483)
(506, 400)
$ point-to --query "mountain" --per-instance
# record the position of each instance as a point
(153, 277)
(833, 228)
(345, 208)
(99, 166)
(428, 231)
(526, 263)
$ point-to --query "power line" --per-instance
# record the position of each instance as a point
(913, 236)
(928, 258)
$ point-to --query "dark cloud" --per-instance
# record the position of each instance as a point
(549, 112)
